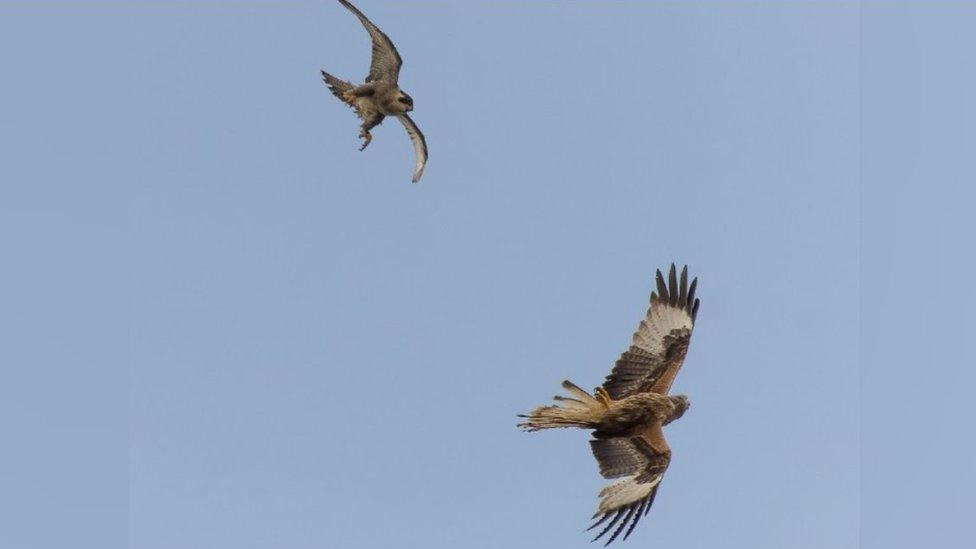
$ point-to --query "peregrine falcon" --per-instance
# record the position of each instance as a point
(380, 96)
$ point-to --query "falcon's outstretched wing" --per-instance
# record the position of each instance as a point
(419, 145)
(386, 62)
(641, 461)
(661, 341)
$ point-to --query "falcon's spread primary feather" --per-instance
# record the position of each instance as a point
(628, 412)
(380, 96)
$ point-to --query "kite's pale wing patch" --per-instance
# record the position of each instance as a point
(641, 468)
(660, 343)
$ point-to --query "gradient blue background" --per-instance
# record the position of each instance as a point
(225, 327)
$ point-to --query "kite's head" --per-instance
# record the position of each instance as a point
(681, 404)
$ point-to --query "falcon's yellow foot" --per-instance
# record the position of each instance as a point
(349, 97)
(366, 137)
(603, 396)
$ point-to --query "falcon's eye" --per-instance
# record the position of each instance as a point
(406, 99)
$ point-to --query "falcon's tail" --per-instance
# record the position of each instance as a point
(579, 410)
(336, 86)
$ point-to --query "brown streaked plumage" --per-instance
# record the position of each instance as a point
(628, 412)
(381, 95)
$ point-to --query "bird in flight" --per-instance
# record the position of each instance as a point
(380, 96)
(628, 412)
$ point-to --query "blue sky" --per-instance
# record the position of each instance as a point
(229, 328)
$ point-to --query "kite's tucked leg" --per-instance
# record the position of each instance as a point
(603, 396)
(370, 123)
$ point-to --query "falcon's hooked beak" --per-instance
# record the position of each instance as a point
(406, 101)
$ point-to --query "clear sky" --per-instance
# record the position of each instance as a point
(228, 328)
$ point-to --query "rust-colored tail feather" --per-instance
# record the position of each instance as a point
(580, 410)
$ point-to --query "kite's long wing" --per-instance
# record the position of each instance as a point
(641, 461)
(661, 341)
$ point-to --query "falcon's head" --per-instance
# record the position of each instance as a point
(405, 102)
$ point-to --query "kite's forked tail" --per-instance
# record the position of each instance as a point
(579, 410)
